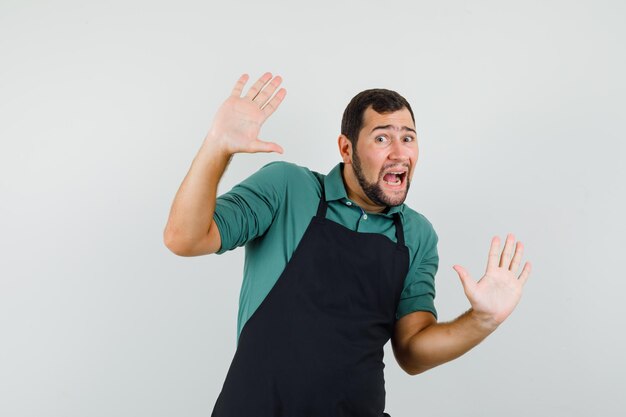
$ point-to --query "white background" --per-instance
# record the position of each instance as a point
(103, 105)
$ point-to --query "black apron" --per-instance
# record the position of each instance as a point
(314, 347)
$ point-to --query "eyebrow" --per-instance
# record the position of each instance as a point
(394, 127)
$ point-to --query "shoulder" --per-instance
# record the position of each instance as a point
(290, 175)
(417, 221)
(275, 176)
(288, 169)
(420, 233)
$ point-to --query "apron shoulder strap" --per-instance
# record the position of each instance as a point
(321, 208)
(323, 205)
(399, 229)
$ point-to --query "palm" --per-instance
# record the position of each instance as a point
(238, 121)
(497, 293)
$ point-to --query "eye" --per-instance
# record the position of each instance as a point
(408, 139)
(380, 139)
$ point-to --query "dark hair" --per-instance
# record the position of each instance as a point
(381, 100)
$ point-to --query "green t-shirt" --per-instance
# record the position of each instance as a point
(270, 211)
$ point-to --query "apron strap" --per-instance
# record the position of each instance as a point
(322, 206)
(399, 229)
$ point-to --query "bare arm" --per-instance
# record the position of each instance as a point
(190, 229)
(420, 343)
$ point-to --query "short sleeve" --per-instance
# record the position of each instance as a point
(419, 288)
(247, 211)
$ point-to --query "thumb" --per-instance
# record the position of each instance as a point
(262, 146)
(467, 281)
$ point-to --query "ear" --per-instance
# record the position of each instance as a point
(345, 149)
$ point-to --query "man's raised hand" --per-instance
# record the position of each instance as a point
(238, 121)
(496, 294)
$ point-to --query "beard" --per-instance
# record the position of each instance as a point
(373, 190)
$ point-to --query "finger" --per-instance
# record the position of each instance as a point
(523, 277)
(262, 146)
(508, 250)
(239, 86)
(517, 257)
(267, 92)
(467, 281)
(254, 90)
(273, 104)
(494, 251)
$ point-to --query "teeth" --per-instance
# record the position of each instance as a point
(399, 181)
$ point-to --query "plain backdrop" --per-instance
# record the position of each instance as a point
(520, 110)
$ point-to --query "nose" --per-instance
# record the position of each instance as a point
(400, 150)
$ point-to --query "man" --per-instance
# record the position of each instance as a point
(336, 265)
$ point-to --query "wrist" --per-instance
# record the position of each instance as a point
(484, 321)
(215, 146)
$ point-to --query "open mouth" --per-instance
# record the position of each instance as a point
(394, 177)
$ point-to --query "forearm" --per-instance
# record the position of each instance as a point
(190, 228)
(191, 214)
(442, 342)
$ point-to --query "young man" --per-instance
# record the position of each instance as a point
(336, 265)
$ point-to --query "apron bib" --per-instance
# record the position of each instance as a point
(314, 347)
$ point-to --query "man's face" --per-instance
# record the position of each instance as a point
(385, 155)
